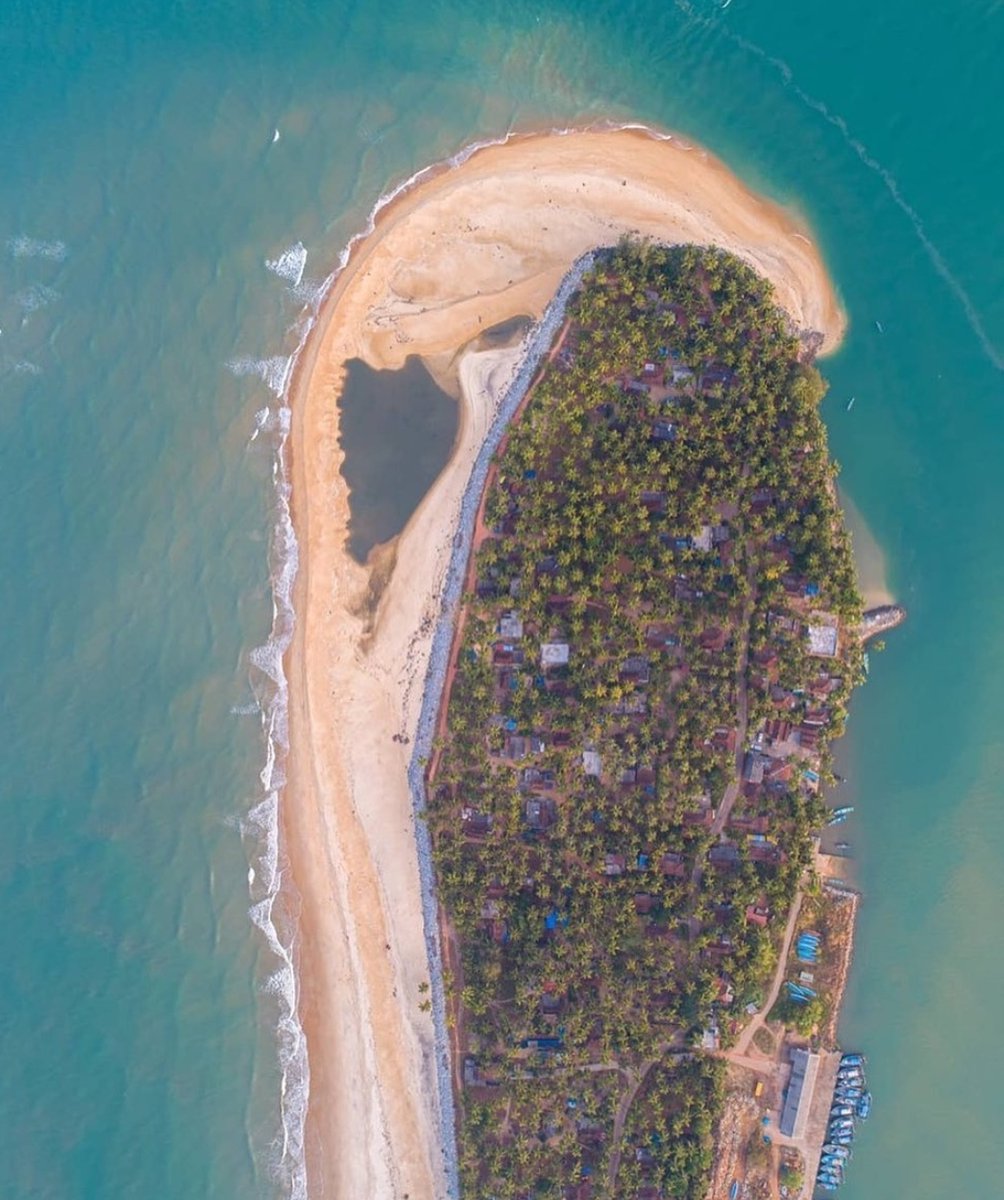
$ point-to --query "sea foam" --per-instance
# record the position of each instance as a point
(290, 264)
(23, 246)
(37, 296)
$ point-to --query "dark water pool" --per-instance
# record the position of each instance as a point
(397, 431)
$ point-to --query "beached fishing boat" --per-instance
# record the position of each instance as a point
(840, 814)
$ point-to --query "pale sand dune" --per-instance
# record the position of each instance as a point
(461, 251)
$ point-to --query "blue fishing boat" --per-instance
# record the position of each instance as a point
(839, 815)
(734, 1189)
(865, 1106)
(852, 1060)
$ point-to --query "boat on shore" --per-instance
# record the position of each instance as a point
(840, 814)
(851, 1102)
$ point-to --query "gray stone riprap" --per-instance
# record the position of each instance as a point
(538, 341)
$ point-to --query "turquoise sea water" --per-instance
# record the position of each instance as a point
(144, 1022)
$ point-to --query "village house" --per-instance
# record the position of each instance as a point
(757, 914)
(723, 740)
(591, 763)
(702, 539)
(765, 668)
(764, 852)
(614, 865)
(704, 817)
(779, 622)
(507, 654)
(777, 739)
(762, 499)
(634, 704)
(541, 813)
(778, 774)
(510, 627)
(724, 856)
(475, 824)
(754, 765)
(822, 638)
(673, 865)
(531, 778)
(715, 377)
(714, 640)
(492, 923)
(554, 654)
(749, 823)
(660, 636)
(515, 746)
(783, 699)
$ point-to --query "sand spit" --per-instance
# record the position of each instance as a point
(464, 249)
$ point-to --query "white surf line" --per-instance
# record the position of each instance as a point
(935, 256)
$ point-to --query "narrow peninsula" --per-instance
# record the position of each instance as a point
(635, 690)
(658, 643)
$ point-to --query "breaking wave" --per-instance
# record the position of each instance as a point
(21, 366)
(23, 246)
(290, 264)
(35, 297)
(274, 372)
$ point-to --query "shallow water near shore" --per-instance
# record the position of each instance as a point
(146, 245)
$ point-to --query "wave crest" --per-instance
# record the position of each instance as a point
(290, 264)
(23, 246)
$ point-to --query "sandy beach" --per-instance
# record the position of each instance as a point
(462, 250)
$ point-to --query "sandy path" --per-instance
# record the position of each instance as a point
(465, 249)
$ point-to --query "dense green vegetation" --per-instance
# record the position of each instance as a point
(623, 806)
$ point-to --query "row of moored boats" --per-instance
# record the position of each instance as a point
(852, 1102)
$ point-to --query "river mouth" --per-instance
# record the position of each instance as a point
(397, 432)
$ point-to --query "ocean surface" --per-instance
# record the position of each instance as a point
(178, 180)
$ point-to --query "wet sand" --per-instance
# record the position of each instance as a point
(464, 250)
